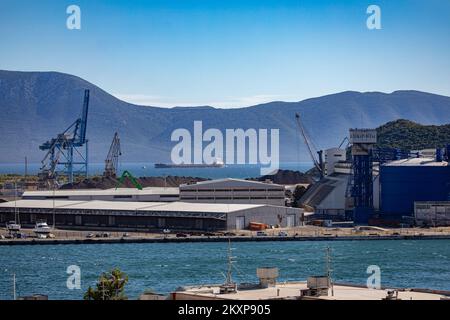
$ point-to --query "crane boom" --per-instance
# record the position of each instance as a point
(317, 163)
(83, 119)
(113, 157)
(343, 141)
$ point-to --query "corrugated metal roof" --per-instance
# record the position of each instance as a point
(231, 182)
(45, 204)
(204, 207)
(131, 206)
(417, 162)
(112, 191)
(321, 189)
(113, 205)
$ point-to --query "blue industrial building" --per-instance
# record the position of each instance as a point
(417, 179)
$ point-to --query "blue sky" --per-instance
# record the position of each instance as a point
(232, 53)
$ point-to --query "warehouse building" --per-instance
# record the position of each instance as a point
(404, 182)
(212, 191)
(151, 194)
(114, 215)
(233, 191)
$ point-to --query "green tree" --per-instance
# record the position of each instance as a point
(110, 286)
(298, 193)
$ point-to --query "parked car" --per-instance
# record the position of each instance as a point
(209, 234)
(166, 231)
(282, 234)
(126, 235)
(105, 234)
(261, 234)
(90, 235)
(181, 235)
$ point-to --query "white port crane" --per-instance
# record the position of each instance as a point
(310, 146)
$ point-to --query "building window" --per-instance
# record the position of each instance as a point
(123, 197)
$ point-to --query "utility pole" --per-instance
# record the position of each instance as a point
(329, 270)
(54, 215)
(230, 264)
(15, 201)
(14, 287)
(26, 172)
(16, 215)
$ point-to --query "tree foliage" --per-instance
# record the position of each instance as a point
(110, 286)
(408, 135)
(298, 193)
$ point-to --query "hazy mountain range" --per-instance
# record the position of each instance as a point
(35, 106)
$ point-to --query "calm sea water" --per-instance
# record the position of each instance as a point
(164, 267)
(141, 169)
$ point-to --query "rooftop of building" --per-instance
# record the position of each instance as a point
(177, 206)
(291, 290)
(105, 192)
(315, 194)
(232, 182)
(434, 203)
(431, 162)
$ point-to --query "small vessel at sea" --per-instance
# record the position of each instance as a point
(218, 163)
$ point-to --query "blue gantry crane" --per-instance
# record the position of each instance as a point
(65, 155)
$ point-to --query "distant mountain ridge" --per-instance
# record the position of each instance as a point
(35, 106)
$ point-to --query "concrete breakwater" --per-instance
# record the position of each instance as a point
(9, 242)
